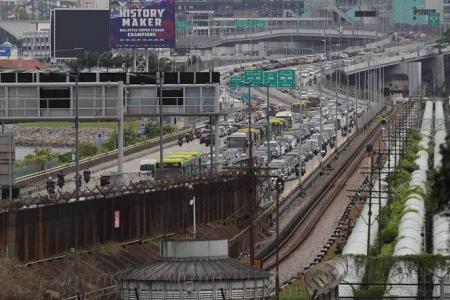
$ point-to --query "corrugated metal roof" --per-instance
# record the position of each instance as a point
(18, 28)
(21, 64)
(196, 270)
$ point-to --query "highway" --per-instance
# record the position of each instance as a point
(131, 163)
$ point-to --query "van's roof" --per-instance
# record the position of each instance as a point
(148, 161)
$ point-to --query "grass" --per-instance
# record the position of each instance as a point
(296, 295)
(295, 291)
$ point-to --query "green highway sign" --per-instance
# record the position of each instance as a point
(271, 79)
(183, 26)
(434, 19)
(259, 78)
(260, 24)
(287, 78)
(250, 23)
(255, 77)
(236, 82)
(241, 24)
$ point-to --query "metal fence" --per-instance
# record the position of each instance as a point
(34, 168)
(393, 291)
(34, 228)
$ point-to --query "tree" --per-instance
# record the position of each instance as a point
(443, 41)
(441, 182)
(106, 60)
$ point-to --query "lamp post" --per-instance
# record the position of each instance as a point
(192, 203)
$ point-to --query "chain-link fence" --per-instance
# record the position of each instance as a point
(393, 291)
(36, 167)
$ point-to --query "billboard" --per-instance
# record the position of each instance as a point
(73, 29)
(142, 24)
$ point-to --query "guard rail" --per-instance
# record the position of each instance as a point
(97, 159)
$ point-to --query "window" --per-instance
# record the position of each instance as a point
(55, 98)
(172, 96)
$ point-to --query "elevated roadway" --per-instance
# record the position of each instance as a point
(214, 41)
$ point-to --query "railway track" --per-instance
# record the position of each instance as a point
(301, 226)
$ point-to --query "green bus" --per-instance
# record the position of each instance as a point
(180, 164)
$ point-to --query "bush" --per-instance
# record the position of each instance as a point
(65, 158)
(88, 150)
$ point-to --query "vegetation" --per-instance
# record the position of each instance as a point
(295, 295)
(440, 192)
(111, 125)
(132, 136)
(40, 157)
(17, 282)
(88, 60)
(380, 260)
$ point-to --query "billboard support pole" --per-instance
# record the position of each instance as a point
(120, 134)
(77, 141)
(161, 129)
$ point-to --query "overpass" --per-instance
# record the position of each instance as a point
(424, 63)
(297, 37)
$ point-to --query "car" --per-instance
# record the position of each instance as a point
(281, 168)
(208, 139)
(204, 135)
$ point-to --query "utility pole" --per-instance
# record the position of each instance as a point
(369, 221)
(346, 110)
(77, 141)
(320, 135)
(300, 152)
(268, 127)
(380, 215)
(250, 167)
(277, 263)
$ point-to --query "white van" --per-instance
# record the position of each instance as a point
(147, 167)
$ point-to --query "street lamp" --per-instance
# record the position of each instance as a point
(190, 195)
(192, 203)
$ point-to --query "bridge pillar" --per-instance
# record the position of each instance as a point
(414, 72)
(438, 72)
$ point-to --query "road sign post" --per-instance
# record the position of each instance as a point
(100, 138)
(142, 129)
(271, 79)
